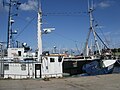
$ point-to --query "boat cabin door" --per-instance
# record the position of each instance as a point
(37, 70)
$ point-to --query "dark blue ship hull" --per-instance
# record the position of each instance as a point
(74, 67)
(94, 68)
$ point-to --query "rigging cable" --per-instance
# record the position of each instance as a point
(97, 25)
(51, 14)
(66, 37)
(77, 48)
(70, 40)
(101, 40)
(25, 27)
(63, 13)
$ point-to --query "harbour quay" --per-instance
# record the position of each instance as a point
(99, 82)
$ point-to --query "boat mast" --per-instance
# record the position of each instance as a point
(11, 4)
(39, 32)
(92, 28)
(9, 27)
(90, 10)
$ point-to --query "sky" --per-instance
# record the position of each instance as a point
(70, 20)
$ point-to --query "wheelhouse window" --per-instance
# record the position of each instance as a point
(59, 59)
(23, 67)
(19, 53)
(6, 66)
(52, 60)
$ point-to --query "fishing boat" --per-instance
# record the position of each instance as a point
(100, 63)
(105, 64)
(74, 65)
(99, 67)
(20, 63)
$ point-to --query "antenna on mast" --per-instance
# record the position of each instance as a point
(3, 3)
(92, 27)
(11, 4)
(39, 6)
(92, 4)
(88, 5)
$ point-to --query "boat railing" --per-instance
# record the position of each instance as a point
(17, 76)
(1, 50)
(21, 76)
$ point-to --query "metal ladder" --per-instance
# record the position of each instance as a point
(1, 51)
(1, 60)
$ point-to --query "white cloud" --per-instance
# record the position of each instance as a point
(116, 32)
(104, 4)
(28, 18)
(107, 33)
(30, 5)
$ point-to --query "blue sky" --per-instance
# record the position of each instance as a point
(71, 26)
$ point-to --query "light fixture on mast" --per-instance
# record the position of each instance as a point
(48, 30)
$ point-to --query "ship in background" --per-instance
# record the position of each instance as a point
(91, 62)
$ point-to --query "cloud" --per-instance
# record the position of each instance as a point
(28, 18)
(107, 33)
(105, 4)
(116, 32)
(30, 5)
